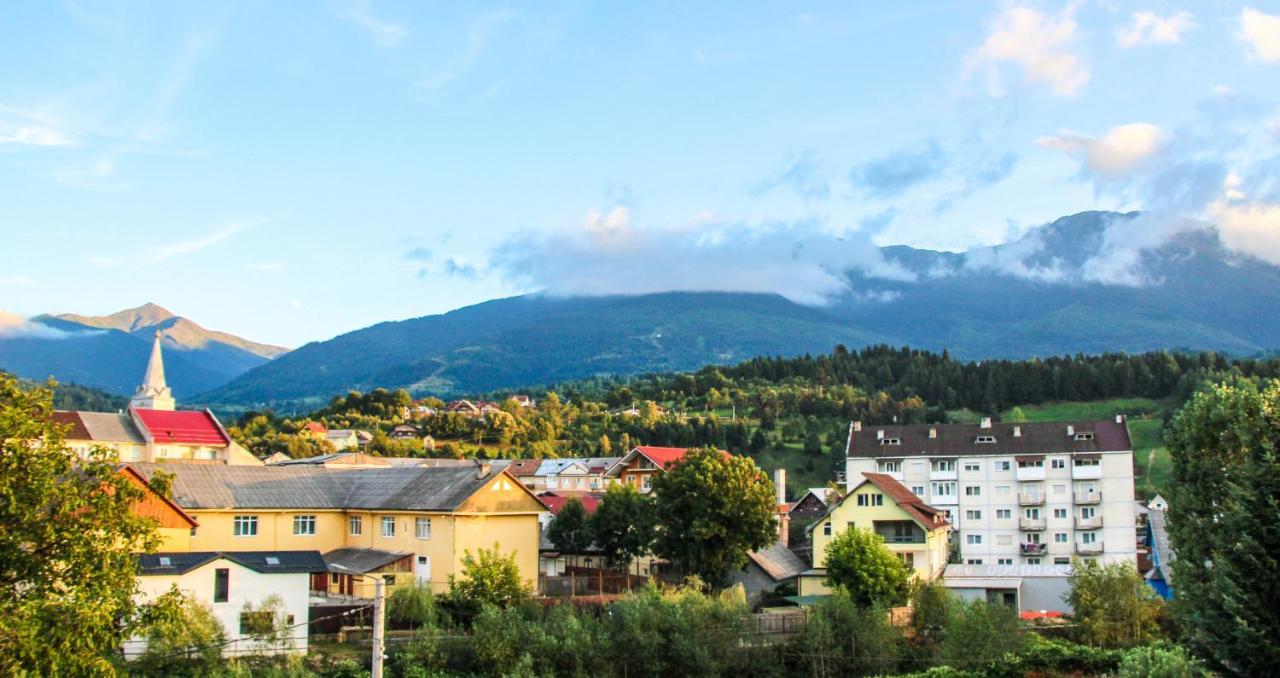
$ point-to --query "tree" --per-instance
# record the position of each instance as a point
(1016, 416)
(712, 510)
(979, 632)
(841, 638)
(858, 563)
(1222, 510)
(569, 530)
(412, 605)
(622, 526)
(1113, 604)
(69, 540)
(489, 578)
(189, 636)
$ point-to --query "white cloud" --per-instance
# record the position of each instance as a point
(1253, 228)
(1262, 33)
(1120, 151)
(608, 255)
(1043, 46)
(17, 327)
(160, 253)
(35, 136)
(1149, 28)
(384, 33)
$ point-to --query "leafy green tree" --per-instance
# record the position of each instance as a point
(842, 638)
(489, 578)
(269, 624)
(569, 530)
(412, 605)
(979, 632)
(1016, 416)
(931, 603)
(69, 540)
(712, 511)
(1222, 512)
(622, 526)
(675, 632)
(1113, 604)
(188, 639)
(858, 563)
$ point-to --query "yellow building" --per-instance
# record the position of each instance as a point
(401, 523)
(911, 529)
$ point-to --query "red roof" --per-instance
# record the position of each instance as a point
(183, 427)
(315, 427)
(554, 502)
(666, 456)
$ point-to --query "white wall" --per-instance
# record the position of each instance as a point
(246, 586)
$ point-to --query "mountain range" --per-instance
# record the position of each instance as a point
(110, 352)
(1073, 285)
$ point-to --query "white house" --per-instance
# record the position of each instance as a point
(228, 583)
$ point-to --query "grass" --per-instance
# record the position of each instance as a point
(795, 460)
(1094, 409)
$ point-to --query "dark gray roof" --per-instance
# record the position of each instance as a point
(266, 562)
(953, 440)
(360, 561)
(778, 561)
(317, 487)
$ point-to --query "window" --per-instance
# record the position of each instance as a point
(889, 466)
(973, 515)
(1002, 465)
(1088, 512)
(245, 526)
(166, 561)
(1032, 513)
(1033, 538)
(1086, 462)
(1059, 489)
(973, 561)
(304, 525)
(973, 490)
(826, 529)
(422, 528)
(1059, 513)
(221, 585)
(1004, 561)
(908, 559)
(388, 527)
(973, 539)
(1084, 435)
(1004, 540)
(870, 499)
(1089, 537)
(355, 525)
(917, 490)
(944, 489)
(335, 579)
(1004, 514)
(1061, 561)
(647, 481)
(1003, 490)
(1039, 463)
(1059, 537)
(944, 465)
(972, 466)
(1058, 463)
(1033, 561)
(890, 441)
(985, 440)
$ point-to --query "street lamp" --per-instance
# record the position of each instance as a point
(379, 621)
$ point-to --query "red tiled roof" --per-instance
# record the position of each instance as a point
(590, 502)
(928, 516)
(77, 431)
(314, 427)
(666, 456)
(523, 467)
(183, 427)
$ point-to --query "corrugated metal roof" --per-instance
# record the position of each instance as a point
(778, 561)
(360, 561)
(1164, 555)
(107, 427)
(266, 562)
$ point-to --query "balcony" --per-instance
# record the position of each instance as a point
(1034, 549)
(1090, 472)
(936, 474)
(1088, 497)
(901, 539)
(1089, 549)
(1034, 499)
(1089, 523)
(1030, 472)
(1030, 524)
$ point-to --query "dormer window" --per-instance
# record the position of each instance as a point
(985, 440)
(891, 441)
(1084, 435)
(272, 560)
(165, 561)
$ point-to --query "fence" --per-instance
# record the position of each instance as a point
(588, 584)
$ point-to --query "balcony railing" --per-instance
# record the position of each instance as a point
(1030, 524)
(899, 539)
(1033, 549)
(1089, 523)
(1025, 499)
(1088, 497)
(1089, 549)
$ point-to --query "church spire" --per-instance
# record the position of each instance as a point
(154, 393)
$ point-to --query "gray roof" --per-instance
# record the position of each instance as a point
(111, 427)
(1159, 537)
(778, 561)
(360, 561)
(266, 562)
(954, 440)
(284, 486)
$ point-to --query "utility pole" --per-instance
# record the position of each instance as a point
(379, 612)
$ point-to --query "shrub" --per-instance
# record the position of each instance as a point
(978, 632)
(1160, 661)
(841, 638)
(675, 632)
(412, 606)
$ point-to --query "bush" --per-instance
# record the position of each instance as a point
(187, 640)
(1054, 657)
(675, 632)
(1160, 661)
(1113, 604)
(412, 606)
(978, 632)
(841, 638)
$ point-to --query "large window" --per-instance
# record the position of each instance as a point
(944, 465)
(221, 585)
(1004, 514)
(973, 515)
(972, 466)
(388, 527)
(1060, 537)
(245, 526)
(944, 489)
(423, 528)
(355, 525)
(889, 466)
(304, 526)
(1089, 537)
(972, 490)
(1038, 463)
(973, 539)
(1001, 465)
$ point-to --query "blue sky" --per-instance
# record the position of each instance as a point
(291, 171)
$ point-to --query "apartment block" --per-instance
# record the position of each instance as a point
(1032, 493)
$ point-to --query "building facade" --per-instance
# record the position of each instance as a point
(1037, 493)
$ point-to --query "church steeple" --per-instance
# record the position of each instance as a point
(154, 394)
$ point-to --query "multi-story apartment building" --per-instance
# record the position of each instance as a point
(1016, 494)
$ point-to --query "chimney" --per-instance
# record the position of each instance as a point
(985, 423)
(857, 426)
(933, 433)
(482, 468)
(1071, 430)
(780, 484)
(1017, 431)
(784, 528)
(1119, 418)
(879, 434)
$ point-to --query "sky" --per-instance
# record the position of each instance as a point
(292, 171)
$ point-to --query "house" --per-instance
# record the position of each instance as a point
(586, 474)
(463, 407)
(342, 439)
(551, 562)
(1022, 587)
(911, 529)
(1160, 576)
(229, 582)
(435, 513)
(314, 430)
(405, 432)
(1026, 493)
(1159, 503)
(523, 400)
(767, 569)
(152, 430)
(173, 525)
(350, 570)
(811, 504)
(638, 466)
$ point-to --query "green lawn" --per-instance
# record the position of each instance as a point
(797, 462)
(1095, 409)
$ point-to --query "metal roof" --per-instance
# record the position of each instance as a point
(778, 561)
(943, 440)
(107, 427)
(360, 561)
(1164, 555)
(265, 562)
